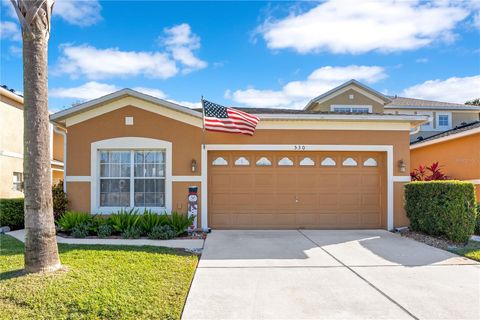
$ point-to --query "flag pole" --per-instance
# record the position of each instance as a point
(203, 122)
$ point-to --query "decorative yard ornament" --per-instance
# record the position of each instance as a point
(193, 205)
(41, 252)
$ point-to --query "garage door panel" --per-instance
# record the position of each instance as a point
(297, 196)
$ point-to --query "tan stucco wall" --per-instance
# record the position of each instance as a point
(57, 147)
(400, 216)
(459, 158)
(343, 99)
(187, 141)
(11, 124)
(9, 165)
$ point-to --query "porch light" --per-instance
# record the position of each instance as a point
(194, 165)
(402, 165)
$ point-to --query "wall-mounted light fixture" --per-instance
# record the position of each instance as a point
(194, 165)
(402, 166)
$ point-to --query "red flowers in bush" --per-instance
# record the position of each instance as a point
(424, 173)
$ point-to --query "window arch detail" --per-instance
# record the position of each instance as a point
(328, 162)
(263, 161)
(220, 162)
(307, 162)
(370, 162)
(349, 162)
(242, 161)
(285, 161)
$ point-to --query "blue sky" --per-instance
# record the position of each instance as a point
(259, 54)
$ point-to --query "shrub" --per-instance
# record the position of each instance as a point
(11, 213)
(132, 232)
(161, 232)
(72, 219)
(80, 230)
(104, 230)
(442, 208)
(150, 220)
(124, 219)
(180, 222)
(424, 173)
(60, 201)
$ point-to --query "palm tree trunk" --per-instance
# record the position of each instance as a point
(41, 252)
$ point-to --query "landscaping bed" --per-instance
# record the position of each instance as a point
(99, 281)
(470, 249)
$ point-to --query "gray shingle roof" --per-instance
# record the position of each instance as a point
(411, 102)
(456, 130)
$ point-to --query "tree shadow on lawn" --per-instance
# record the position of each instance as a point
(13, 247)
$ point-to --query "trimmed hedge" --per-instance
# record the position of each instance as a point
(477, 227)
(445, 207)
(11, 213)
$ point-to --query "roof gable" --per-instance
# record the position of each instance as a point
(122, 98)
(350, 85)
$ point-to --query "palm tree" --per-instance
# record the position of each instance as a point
(41, 251)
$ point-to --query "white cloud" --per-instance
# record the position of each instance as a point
(93, 89)
(87, 91)
(157, 93)
(421, 60)
(10, 31)
(15, 51)
(455, 89)
(104, 63)
(81, 13)
(94, 63)
(188, 104)
(296, 94)
(344, 26)
(181, 42)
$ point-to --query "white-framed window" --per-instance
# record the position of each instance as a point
(132, 178)
(444, 120)
(351, 108)
(143, 168)
(17, 181)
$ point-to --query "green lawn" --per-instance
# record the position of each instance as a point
(100, 282)
(471, 250)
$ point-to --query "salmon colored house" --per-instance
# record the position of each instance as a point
(301, 169)
(457, 150)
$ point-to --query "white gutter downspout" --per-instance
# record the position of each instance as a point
(64, 135)
(417, 130)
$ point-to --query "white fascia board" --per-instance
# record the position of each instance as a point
(354, 117)
(446, 138)
(11, 95)
(119, 94)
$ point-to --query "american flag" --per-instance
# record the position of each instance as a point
(223, 119)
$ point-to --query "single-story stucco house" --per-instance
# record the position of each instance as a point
(459, 149)
(322, 168)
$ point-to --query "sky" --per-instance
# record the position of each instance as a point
(253, 54)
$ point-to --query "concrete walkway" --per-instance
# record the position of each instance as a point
(191, 244)
(311, 274)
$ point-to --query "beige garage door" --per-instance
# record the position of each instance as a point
(288, 190)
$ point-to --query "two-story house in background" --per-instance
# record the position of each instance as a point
(356, 97)
(11, 146)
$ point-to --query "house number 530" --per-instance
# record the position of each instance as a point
(299, 147)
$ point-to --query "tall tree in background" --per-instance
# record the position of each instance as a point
(41, 252)
(474, 102)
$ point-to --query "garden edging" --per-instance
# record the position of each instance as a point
(191, 244)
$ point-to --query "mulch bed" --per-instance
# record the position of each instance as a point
(434, 241)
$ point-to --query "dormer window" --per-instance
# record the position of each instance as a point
(351, 108)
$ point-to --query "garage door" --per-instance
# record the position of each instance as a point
(289, 190)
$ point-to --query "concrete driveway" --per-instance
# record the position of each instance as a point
(330, 274)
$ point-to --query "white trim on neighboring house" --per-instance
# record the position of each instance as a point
(11, 154)
(292, 147)
(128, 143)
(437, 121)
(351, 106)
(443, 139)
